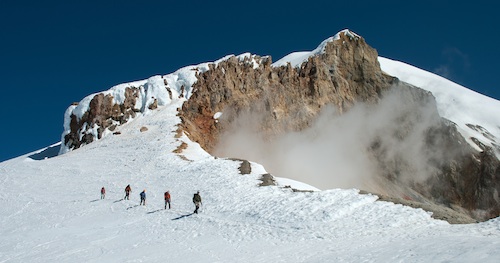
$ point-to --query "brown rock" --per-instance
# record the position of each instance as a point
(287, 99)
(153, 105)
(103, 113)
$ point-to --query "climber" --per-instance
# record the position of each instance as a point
(197, 201)
(127, 192)
(167, 199)
(143, 197)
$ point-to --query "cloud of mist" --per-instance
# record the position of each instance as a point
(345, 150)
(455, 63)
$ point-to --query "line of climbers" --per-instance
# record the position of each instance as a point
(196, 198)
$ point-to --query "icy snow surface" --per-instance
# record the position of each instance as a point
(52, 212)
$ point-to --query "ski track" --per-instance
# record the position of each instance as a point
(53, 211)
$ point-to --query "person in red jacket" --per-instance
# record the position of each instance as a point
(167, 199)
(127, 192)
(103, 192)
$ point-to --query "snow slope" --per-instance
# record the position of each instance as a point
(51, 211)
(456, 103)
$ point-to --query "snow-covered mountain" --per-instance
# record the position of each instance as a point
(52, 209)
(333, 118)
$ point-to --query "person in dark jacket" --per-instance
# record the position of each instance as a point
(197, 201)
(103, 192)
(127, 192)
(143, 197)
(167, 199)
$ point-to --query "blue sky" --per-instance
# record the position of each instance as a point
(53, 53)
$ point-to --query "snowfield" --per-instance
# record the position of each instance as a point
(52, 211)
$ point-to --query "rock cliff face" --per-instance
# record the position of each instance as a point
(287, 99)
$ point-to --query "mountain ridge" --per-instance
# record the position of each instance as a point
(52, 209)
(343, 71)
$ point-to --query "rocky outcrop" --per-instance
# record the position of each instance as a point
(456, 175)
(284, 99)
(471, 183)
(102, 114)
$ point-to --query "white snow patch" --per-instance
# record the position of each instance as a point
(217, 115)
(295, 184)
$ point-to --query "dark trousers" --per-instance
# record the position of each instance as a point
(167, 202)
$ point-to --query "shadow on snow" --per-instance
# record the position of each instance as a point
(155, 211)
(183, 216)
(49, 152)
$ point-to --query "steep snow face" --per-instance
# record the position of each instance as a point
(52, 211)
(476, 115)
